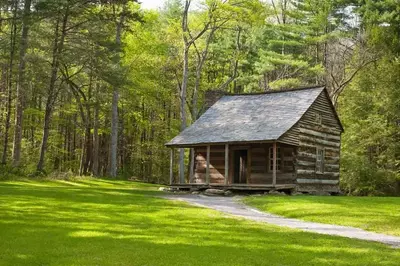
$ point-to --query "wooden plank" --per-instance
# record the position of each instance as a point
(212, 176)
(307, 155)
(215, 157)
(220, 167)
(212, 151)
(191, 172)
(332, 160)
(208, 165)
(182, 165)
(243, 147)
(305, 172)
(240, 187)
(291, 137)
(321, 128)
(226, 164)
(258, 168)
(171, 167)
(307, 139)
(269, 176)
(330, 174)
(267, 160)
(248, 174)
(333, 166)
(317, 181)
(258, 150)
(274, 165)
(307, 145)
(257, 154)
(288, 158)
(305, 163)
(212, 171)
(319, 134)
(258, 159)
(258, 163)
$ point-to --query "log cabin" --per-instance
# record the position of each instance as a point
(283, 140)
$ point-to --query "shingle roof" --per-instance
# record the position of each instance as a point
(248, 118)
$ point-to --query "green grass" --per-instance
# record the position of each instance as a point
(100, 222)
(378, 214)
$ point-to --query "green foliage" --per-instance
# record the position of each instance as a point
(361, 178)
(247, 46)
(370, 109)
(11, 173)
(286, 83)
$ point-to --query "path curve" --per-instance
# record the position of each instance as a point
(232, 206)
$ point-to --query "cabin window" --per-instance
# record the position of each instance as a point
(319, 165)
(318, 118)
(271, 159)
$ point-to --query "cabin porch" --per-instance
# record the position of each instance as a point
(250, 166)
(235, 187)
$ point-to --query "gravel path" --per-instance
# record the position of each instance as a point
(232, 206)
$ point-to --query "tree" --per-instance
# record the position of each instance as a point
(188, 41)
(21, 84)
(121, 13)
(370, 110)
(60, 33)
(12, 48)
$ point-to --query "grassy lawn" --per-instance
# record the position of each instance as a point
(378, 214)
(99, 222)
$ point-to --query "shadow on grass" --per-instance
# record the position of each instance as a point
(98, 225)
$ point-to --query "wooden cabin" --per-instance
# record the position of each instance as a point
(276, 140)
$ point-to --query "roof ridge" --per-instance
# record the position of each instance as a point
(275, 91)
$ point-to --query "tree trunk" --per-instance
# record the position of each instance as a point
(45, 137)
(3, 90)
(114, 134)
(8, 119)
(21, 86)
(114, 108)
(96, 140)
(185, 77)
(88, 144)
(10, 79)
(83, 143)
(52, 93)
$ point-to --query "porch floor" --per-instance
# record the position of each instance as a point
(241, 187)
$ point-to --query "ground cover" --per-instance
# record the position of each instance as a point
(102, 222)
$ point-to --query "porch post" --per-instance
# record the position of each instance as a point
(171, 167)
(191, 172)
(226, 163)
(208, 165)
(181, 165)
(274, 165)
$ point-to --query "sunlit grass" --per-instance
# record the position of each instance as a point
(378, 214)
(102, 222)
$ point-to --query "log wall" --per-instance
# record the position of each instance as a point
(324, 134)
(261, 172)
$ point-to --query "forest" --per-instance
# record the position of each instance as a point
(97, 88)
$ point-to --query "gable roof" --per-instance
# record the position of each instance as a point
(249, 118)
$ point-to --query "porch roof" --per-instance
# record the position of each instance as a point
(249, 118)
